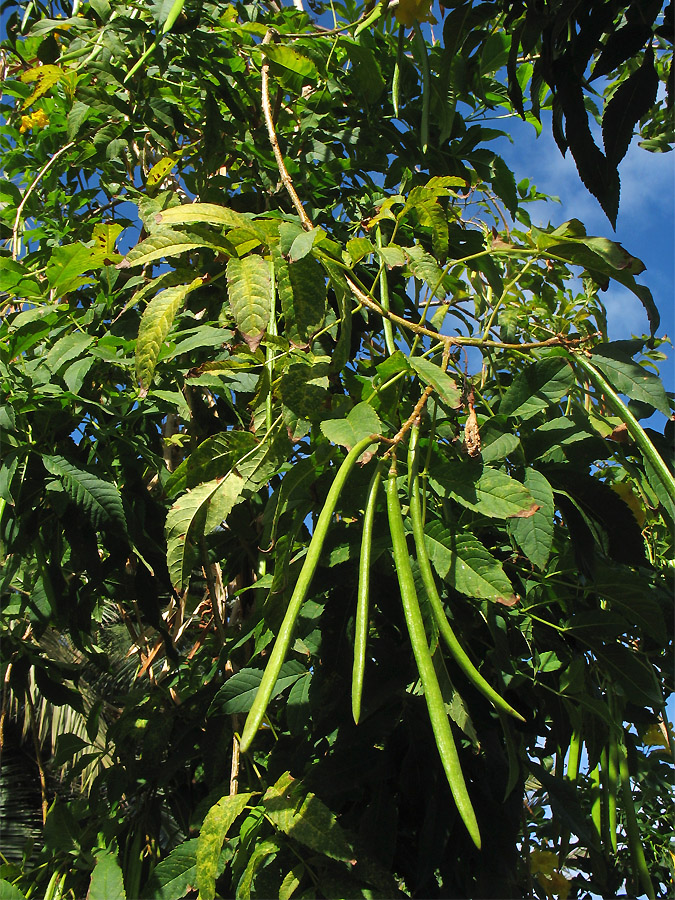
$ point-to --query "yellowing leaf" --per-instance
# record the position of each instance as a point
(45, 77)
(159, 171)
(544, 861)
(410, 11)
(629, 498)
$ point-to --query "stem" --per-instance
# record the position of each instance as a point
(635, 430)
(36, 180)
(363, 597)
(632, 829)
(269, 679)
(269, 121)
(38, 755)
(384, 300)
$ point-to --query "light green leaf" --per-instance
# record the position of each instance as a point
(239, 691)
(302, 289)
(361, 421)
(307, 820)
(358, 248)
(156, 323)
(432, 374)
(165, 244)
(490, 492)
(218, 821)
(67, 265)
(195, 513)
(425, 268)
(66, 349)
(537, 387)
(262, 850)
(290, 66)
(304, 242)
(213, 458)
(99, 500)
(534, 534)
(249, 290)
(106, 880)
(206, 214)
(291, 881)
(464, 562)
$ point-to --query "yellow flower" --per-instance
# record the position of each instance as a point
(37, 119)
(410, 11)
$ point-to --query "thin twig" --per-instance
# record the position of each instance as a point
(208, 569)
(269, 121)
(234, 768)
(36, 180)
(558, 340)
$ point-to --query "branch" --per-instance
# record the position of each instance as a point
(269, 121)
(558, 340)
(36, 180)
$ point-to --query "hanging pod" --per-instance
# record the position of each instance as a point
(438, 717)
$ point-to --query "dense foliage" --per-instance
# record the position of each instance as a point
(335, 542)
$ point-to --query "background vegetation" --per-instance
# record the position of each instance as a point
(311, 438)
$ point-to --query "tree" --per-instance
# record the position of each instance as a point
(335, 543)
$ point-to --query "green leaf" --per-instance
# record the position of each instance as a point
(9, 892)
(67, 265)
(291, 882)
(490, 492)
(462, 561)
(291, 67)
(195, 513)
(156, 323)
(99, 500)
(537, 387)
(206, 214)
(165, 244)
(302, 289)
(307, 819)
(303, 243)
(262, 850)
(173, 877)
(534, 534)
(433, 375)
(106, 880)
(358, 248)
(632, 100)
(218, 821)
(361, 421)
(66, 349)
(238, 692)
(249, 290)
(424, 267)
(213, 458)
(629, 377)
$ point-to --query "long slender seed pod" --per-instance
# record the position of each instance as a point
(269, 679)
(612, 776)
(361, 628)
(444, 627)
(596, 801)
(637, 852)
(384, 300)
(572, 774)
(396, 79)
(438, 717)
(426, 86)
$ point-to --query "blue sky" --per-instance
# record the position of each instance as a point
(645, 225)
